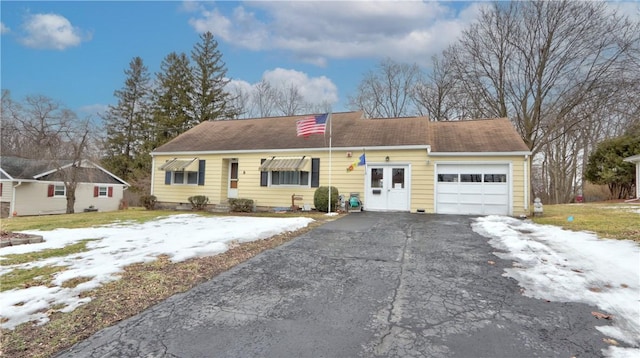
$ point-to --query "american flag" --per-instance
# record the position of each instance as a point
(312, 125)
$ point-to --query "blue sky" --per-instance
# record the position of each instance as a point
(76, 51)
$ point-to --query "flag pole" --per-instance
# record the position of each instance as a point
(330, 164)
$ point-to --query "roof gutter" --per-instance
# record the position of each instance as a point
(12, 206)
(275, 150)
(479, 154)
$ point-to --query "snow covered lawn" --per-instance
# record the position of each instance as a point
(118, 245)
(567, 266)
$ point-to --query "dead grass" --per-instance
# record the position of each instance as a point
(141, 286)
(25, 278)
(14, 259)
(50, 222)
(614, 220)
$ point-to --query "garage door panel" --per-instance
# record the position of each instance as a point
(478, 189)
(496, 189)
(494, 200)
(493, 210)
(470, 189)
(445, 208)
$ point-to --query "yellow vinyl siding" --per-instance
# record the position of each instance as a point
(421, 169)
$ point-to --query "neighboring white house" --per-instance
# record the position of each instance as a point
(36, 187)
(636, 159)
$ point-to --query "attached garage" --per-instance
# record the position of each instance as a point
(473, 189)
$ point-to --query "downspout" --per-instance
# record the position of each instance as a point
(526, 183)
(12, 207)
(153, 174)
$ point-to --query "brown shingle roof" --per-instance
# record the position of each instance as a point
(483, 135)
(349, 129)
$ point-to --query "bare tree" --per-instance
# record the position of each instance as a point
(537, 61)
(289, 101)
(550, 66)
(387, 92)
(44, 129)
(264, 98)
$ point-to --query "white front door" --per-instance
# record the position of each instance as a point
(232, 191)
(387, 187)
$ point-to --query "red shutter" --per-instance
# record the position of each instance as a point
(110, 191)
(50, 190)
(0, 190)
(95, 191)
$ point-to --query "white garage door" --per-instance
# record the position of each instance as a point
(472, 189)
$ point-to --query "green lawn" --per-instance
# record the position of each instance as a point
(50, 222)
(608, 220)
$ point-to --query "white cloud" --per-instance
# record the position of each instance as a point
(314, 90)
(4, 29)
(407, 31)
(51, 31)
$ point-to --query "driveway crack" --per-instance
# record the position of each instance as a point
(394, 313)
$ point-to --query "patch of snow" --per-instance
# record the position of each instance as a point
(567, 266)
(181, 237)
(632, 208)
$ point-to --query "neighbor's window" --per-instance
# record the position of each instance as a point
(102, 192)
(290, 178)
(185, 178)
(59, 190)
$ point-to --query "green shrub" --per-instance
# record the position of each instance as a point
(321, 198)
(241, 205)
(198, 202)
(149, 201)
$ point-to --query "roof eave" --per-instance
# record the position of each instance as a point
(633, 159)
(479, 154)
(322, 149)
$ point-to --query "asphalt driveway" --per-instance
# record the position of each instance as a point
(366, 285)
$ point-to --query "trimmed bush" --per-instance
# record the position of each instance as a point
(321, 199)
(241, 205)
(198, 202)
(149, 201)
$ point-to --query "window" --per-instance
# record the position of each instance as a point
(398, 178)
(495, 178)
(377, 177)
(447, 178)
(181, 177)
(290, 178)
(471, 178)
(102, 192)
(59, 190)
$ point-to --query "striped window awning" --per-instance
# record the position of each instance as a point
(177, 165)
(286, 164)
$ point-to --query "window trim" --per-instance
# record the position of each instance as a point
(106, 191)
(300, 185)
(56, 189)
(185, 177)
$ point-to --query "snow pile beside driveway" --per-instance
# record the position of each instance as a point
(181, 237)
(567, 266)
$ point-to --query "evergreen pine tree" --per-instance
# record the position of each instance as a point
(173, 111)
(126, 123)
(210, 99)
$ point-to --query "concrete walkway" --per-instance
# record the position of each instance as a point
(366, 285)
